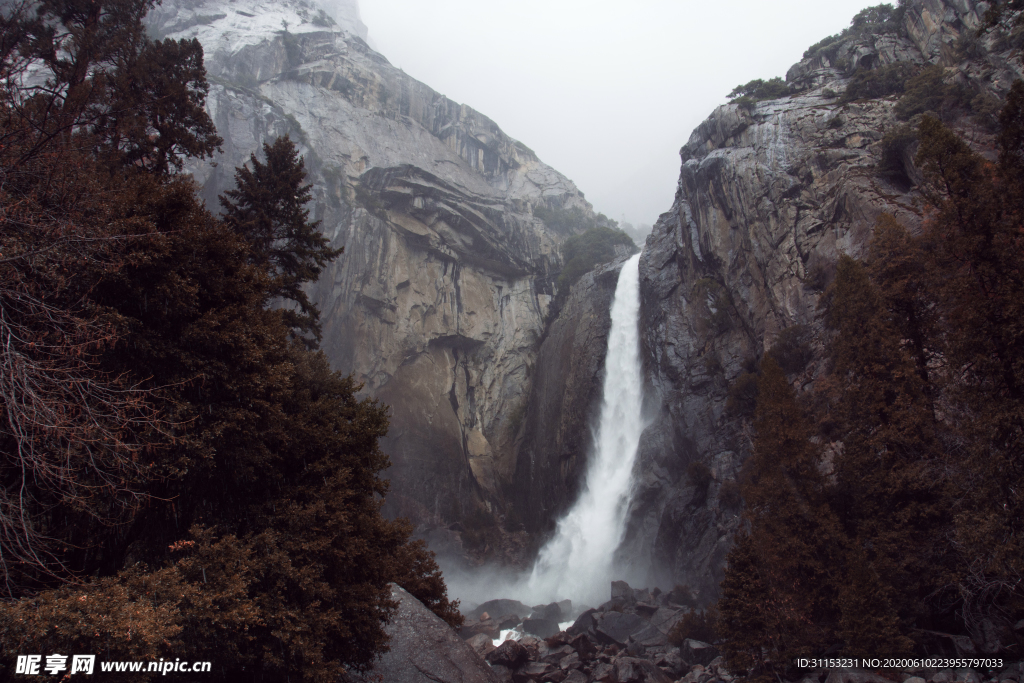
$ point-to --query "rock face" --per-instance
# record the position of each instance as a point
(440, 299)
(767, 201)
(554, 438)
(424, 649)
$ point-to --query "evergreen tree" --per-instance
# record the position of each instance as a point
(890, 492)
(977, 270)
(210, 489)
(267, 209)
(779, 592)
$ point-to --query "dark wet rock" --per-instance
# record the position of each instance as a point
(575, 677)
(558, 640)
(651, 637)
(500, 608)
(565, 394)
(697, 652)
(555, 655)
(646, 609)
(665, 618)
(614, 605)
(635, 670)
(551, 611)
(542, 628)
(621, 589)
(472, 628)
(481, 643)
(571, 661)
(604, 672)
(672, 662)
(583, 646)
(510, 621)
(635, 648)
(532, 671)
(583, 624)
(509, 654)
(424, 649)
(616, 627)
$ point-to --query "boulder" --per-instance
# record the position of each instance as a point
(555, 655)
(424, 649)
(571, 661)
(481, 643)
(672, 662)
(551, 611)
(532, 671)
(542, 628)
(509, 654)
(616, 627)
(583, 624)
(472, 628)
(651, 637)
(583, 647)
(665, 618)
(575, 677)
(697, 652)
(603, 673)
(621, 589)
(635, 670)
(500, 608)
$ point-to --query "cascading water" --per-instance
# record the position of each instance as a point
(577, 563)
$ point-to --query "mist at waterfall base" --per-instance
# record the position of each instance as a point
(578, 562)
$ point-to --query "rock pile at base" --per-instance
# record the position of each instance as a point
(625, 640)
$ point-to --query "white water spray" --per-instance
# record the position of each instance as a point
(577, 563)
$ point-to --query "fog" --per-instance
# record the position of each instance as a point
(604, 92)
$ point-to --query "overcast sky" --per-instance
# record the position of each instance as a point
(604, 92)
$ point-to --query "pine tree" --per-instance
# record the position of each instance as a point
(267, 209)
(890, 491)
(979, 281)
(780, 587)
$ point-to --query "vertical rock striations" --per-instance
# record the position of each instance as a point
(440, 299)
(768, 197)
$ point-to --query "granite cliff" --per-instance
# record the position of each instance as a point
(441, 298)
(770, 193)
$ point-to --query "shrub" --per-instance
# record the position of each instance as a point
(583, 252)
(890, 79)
(570, 221)
(682, 595)
(729, 495)
(895, 145)
(879, 19)
(792, 350)
(742, 395)
(928, 91)
(758, 89)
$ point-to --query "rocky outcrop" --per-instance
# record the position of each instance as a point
(424, 649)
(555, 435)
(440, 299)
(768, 198)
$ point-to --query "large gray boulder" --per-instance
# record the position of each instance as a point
(424, 649)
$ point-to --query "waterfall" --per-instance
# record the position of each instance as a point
(577, 563)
